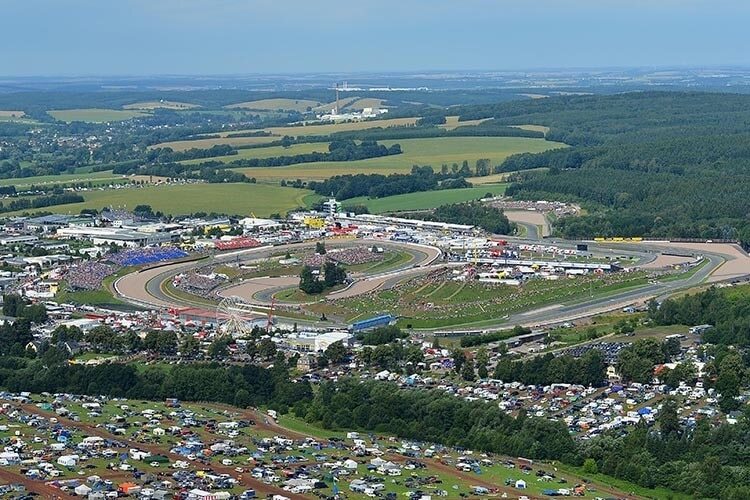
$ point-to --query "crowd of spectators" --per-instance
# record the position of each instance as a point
(89, 275)
(147, 255)
(197, 283)
(346, 256)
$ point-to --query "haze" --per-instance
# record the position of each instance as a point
(94, 37)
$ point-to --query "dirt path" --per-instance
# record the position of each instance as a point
(259, 486)
(43, 489)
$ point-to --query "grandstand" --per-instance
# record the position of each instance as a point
(148, 255)
(237, 244)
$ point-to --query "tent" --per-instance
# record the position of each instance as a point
(521, 484)
(82, 490)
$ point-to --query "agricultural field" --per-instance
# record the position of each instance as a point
(151, 105)
(267, 152)
(533, 128)
(14, 116)
(451, 122)
(425, 200)
(94, 115)
(94, 177)
(300, 105)
(364, 102)
(278, 132)
(107, 443)
(241, 199)
(429, 151)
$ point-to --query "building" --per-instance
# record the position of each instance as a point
(331, 207)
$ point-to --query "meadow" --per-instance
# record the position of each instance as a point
(425, 200)
(298, 130)
(94, 177)
(241, 199)
(94, 115)
(150, 105)
(428, 151)
(300, 105)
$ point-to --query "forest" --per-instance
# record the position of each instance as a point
(472, 213)
(662, 164)
(347, 186)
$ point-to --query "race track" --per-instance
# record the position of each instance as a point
(725, 262)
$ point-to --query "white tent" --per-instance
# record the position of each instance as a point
(82, 490)
(521, 484)
(350, 464)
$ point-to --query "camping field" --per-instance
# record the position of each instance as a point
(425, 200)
(94, 115)
(241, 199)
(430, 151)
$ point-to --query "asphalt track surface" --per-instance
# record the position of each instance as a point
(725, 263)
(143, 288)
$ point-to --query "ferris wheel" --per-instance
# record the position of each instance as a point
(230, 316)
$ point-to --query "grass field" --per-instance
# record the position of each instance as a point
(365, 102)
(300, 105)
(241, 199)
(302, 130)
(533, 128)
(267, 152)
(14, 116)
(94, 115)
(149, 105)
(425, 200)
(451, 122)
(94, 177)
(430, 151)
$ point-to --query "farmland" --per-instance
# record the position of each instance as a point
(150, 105)
(94, 115)
(199, 197)
(431, 151)
(300, 105)
(267, 152)
(426, 199)
(299, 130)
(94, 177)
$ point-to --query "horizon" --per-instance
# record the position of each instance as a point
(229, 37)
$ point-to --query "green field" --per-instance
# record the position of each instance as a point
(300, 105)
(431, 151)
(94, 115)
(241, 199)
(94, 177)
(148, 105)
(425, 200)
(267, 152)
(279, 132)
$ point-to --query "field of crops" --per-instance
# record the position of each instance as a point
(300, 105)
(94, 115)
(301, 130)
(431, 151)
(425, 200)
(240, 199)
(94, 177)
(176, 106)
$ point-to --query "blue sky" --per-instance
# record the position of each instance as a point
(144, 37)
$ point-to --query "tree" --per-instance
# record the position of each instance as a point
(669, 421)
(459, 358)
(242, 398)
(267, 349)
(467, 372)
(190, 346)
(590, 466)
(309, 282)
(219, 348)
(161, 342)
(337, 353)
(320, 248)
(333, 274)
